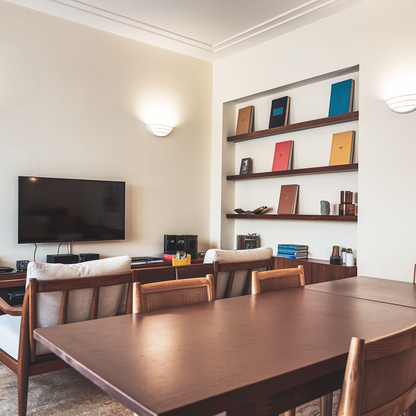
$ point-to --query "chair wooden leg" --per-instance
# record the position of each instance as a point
(22, 389)
(326, 405)
(290, 412)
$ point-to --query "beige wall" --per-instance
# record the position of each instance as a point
(73, 104)
(379, 36)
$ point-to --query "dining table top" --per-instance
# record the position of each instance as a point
(229, 353)
(371, 288)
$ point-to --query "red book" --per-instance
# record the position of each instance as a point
(283, 153)
(169, 256)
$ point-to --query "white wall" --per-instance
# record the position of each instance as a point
(379, 36)
(73, 104)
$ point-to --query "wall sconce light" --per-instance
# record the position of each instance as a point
(160, 130)
(403, 104)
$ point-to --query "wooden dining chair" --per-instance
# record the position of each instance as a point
(60, 294)
(279, 279)
(380, 376)
(172, 293)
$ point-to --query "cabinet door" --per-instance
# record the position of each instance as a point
(325, 272)
(290, 263)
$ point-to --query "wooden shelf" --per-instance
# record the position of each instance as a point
(305, 125)
(306, 171)
(342, 218)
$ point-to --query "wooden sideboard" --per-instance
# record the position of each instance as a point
(317, 271)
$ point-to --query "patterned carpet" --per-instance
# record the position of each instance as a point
(67, 393)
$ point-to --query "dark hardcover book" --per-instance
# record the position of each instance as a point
(288, 199)
(283, 155)
(279, 114)
(342, 95)
(293, 246)
(292, 256)
(245, 120)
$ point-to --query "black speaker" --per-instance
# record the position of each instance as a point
(88, 257)
(187, 243)
(62, 258)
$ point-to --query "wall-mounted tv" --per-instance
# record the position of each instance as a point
(52, 210)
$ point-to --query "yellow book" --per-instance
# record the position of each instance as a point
(342, 151)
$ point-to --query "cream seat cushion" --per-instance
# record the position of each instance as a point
(240, 276)
(49, 304)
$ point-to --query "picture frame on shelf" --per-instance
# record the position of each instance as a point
(245, 167)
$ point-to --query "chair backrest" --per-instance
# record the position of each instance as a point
(380, 376)
(233, 268)
(112, 298)
(172, 293)
(277, 279)
(81, 293)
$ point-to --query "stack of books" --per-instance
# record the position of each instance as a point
(292, 251)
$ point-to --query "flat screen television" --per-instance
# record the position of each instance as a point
(52, 210)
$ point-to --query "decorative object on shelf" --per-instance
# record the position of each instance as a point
(160, 130)
(346, 207)
(349, 260)
(344, 254)
(279, 113)
(325, 207)
(245, 120)
(342, 149)
(292, 251)
(259, 210)
(335, 257)
(248, 241)
(245, 167)
(21, 265)
(283, 155)
(288, 200)
(341, 100)
(403, 104)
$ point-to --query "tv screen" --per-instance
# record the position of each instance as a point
(62, 210)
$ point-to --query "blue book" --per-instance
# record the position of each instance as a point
(291, 251)
(292, 256)
(342, 94)
(292, 247)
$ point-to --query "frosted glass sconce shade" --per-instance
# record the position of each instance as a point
(160, 130)
(403, 104)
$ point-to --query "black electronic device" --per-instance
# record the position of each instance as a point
(62, 258)
(55, 210)
(21, 265)
(6, 269)
(15, 295)
(88, 257)
(185, 242)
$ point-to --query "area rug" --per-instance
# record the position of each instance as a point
(67, 393)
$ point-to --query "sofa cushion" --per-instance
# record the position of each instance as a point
(49, 304)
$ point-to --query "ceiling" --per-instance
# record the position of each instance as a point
(209, 30)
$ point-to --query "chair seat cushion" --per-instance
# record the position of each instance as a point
(9, 334)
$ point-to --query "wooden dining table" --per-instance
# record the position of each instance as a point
(258, 354)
